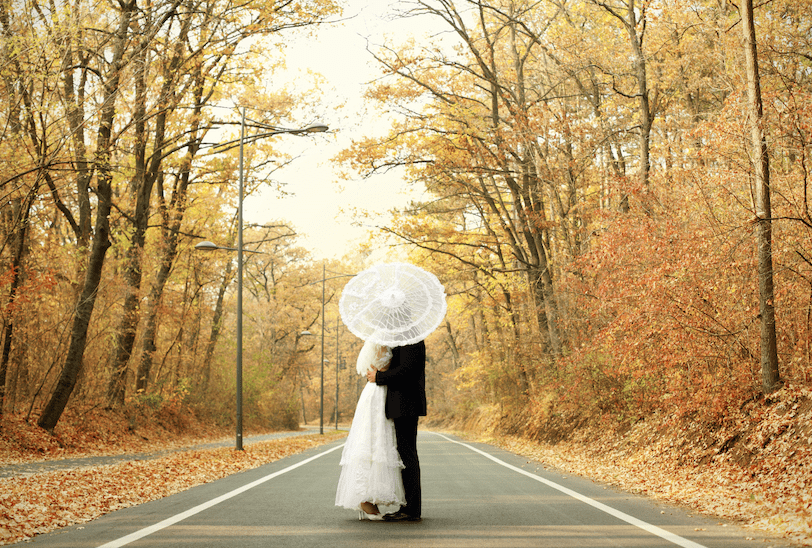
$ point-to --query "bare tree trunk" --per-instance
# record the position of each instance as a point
(101, 235)
(19, 249)
(770, 379)
(84, 310)
(635, 28)
(172, 219)
(546, 307)
(125, 336)
(216, 324)
(452, 345)
(646, 119)
(148, 171)
(17, 218)
(302, 399)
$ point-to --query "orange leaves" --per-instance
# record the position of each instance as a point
(758, 470)
(43, 502)
(668, 301)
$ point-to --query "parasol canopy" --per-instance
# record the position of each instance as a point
(393, 304)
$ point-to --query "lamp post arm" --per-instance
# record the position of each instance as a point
(234, 143)
(210, 246)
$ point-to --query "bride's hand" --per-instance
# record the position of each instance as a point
(372, 374)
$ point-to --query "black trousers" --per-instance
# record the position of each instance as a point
(406, 435)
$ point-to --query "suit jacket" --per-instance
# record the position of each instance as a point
(406, 382)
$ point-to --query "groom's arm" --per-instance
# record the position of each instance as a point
(411, 361)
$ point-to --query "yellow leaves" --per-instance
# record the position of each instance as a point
(272, 15)
(40, 503)
(386, 93)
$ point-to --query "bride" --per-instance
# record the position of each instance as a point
(370, 465)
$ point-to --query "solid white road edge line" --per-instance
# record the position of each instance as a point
(206, 505)
(653, 529)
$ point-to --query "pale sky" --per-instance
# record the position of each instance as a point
(338, 52)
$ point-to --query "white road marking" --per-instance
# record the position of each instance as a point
(206, 505)
(653, 529)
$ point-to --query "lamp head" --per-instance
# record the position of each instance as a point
(316, 128)
(207, 246)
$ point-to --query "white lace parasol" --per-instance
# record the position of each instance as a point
(393, 304)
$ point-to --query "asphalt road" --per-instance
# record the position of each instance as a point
(474, 495)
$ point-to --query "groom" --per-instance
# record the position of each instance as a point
(405, 404)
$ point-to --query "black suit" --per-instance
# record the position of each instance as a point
(405, 403)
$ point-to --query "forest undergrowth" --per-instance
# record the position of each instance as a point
(754, 468)
(35, 504)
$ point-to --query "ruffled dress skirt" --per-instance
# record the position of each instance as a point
(370, 464)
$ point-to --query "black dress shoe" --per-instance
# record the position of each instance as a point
(401, 516)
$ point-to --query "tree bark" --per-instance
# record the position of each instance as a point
(84, 309)
(216, 325)
(644, 103)
(770, 378)
(631, 22)
(101, 237)
(452, 345)
(147, 172)
(18, 209)
(141, 188)
(19, 249)
(172, 219)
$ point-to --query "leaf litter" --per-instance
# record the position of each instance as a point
(40, 503)
(756, 469)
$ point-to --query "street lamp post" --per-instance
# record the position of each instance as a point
(321, 403)
(270, 130)
(304, 333)
(323, 280)
(338, 364)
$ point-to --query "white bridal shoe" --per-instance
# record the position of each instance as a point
(371, 517)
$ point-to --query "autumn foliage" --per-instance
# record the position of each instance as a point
(592, 176)
(591, 203)
(592, 181)
(110, 177)
(755, 470)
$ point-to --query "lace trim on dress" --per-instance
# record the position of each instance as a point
(373, 355)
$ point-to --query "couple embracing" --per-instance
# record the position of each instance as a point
(393, 307)
(379, 464)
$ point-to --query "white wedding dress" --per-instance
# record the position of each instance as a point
(370, 464)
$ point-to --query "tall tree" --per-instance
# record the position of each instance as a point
(199, 50)
(147, 170)
(770, 378)
(478, 143)
(634, 21)
(172, 216)
(14, 217)
(101, 234)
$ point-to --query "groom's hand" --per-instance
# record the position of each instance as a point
(372, 374)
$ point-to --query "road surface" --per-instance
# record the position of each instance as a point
(474, 495)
